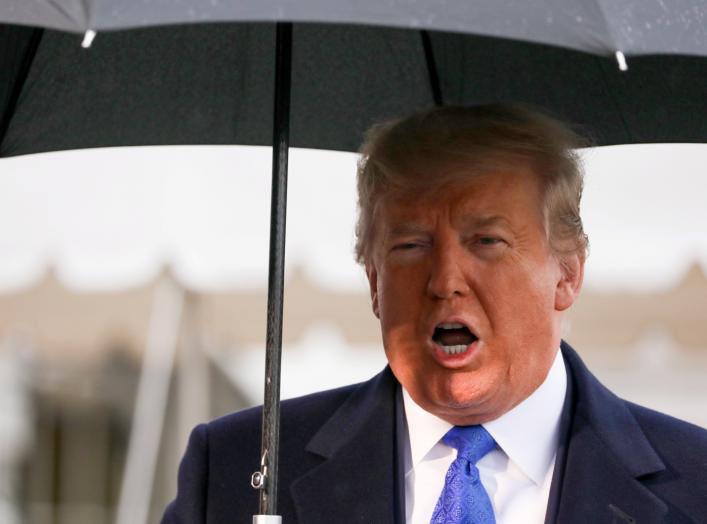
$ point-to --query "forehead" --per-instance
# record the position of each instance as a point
(512, 195)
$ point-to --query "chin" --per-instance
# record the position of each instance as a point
(462, 401)
(466, 398)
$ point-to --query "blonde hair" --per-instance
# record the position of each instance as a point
(407, 154)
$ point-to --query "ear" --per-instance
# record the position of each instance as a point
(372, 275)
(570, 283)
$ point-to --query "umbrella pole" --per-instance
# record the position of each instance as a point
(265, 479)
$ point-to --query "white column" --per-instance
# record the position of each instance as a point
(150, 403)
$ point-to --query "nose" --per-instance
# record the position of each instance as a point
(447, 278)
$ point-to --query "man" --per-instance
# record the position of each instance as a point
(470, 235)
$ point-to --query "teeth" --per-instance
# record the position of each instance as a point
(451, 325)
(454, 350)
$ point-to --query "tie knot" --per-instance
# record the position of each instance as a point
(471, 442)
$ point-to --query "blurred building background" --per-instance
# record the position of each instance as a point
(132, 307)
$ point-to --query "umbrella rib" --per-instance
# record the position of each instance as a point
(607, 85)
(630, 138)
(608, 26)
(431, 68)
(23, 72)
(67, 14)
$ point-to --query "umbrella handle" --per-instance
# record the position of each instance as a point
(265, 480)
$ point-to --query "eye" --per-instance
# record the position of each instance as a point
(405, 246)
(488, 240)
(408, 246)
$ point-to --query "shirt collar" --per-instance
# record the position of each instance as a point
(532, 449)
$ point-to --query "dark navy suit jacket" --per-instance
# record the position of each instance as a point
(339, 463)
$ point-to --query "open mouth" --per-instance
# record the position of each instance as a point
(453, 338)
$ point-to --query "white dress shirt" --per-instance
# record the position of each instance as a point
(517, 474)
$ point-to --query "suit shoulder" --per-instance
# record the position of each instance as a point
(667, 432)
(655, 420)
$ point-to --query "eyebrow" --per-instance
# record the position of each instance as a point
(413, 228)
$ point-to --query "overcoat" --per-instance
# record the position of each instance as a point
(617, 462)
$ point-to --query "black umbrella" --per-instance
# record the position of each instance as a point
(214, 85)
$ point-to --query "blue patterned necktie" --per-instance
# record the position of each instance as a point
(464, 499)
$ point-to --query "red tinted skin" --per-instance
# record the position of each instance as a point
(475, 253)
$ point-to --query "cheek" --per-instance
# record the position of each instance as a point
(530, 324)
(396, 315)
(532, 283)
(399, 296)
(520, 304)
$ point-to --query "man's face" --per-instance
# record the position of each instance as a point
(469, 294)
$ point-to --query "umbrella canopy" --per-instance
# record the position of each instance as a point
(213, 84)
(599, 26)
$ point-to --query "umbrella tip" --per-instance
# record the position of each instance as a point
(88, 38)
(621, 59)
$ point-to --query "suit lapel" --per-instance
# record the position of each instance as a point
(606, 455)
(356, 481)
(598, 488)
